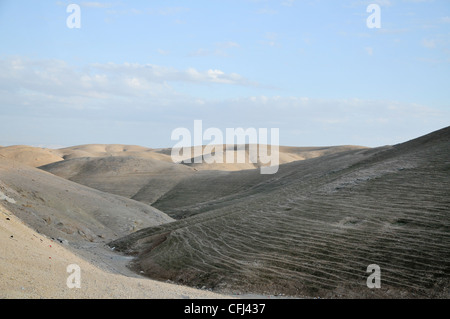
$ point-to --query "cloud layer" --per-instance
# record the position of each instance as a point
(136, 98)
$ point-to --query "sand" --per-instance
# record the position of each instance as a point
(34, 266)
(32, 156)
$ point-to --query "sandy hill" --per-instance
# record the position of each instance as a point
(48, 223)
(32, 156)
(61, 208)
(313, 228)
(35, 156)
(286, 154)
(35, 266)
(147, 175)
(103, 150)
(144, 179)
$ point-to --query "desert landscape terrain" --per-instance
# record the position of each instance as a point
(141, 226)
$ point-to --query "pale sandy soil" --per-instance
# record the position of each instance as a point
(34, 266)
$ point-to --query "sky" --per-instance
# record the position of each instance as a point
(134, 71)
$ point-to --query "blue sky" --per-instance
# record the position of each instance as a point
(136, 70)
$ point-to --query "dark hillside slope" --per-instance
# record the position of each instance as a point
(313, 228)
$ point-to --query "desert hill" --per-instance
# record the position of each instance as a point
(104, 150)
(313, 228)
(286, 154)
(32, 156)
(144, 179)
(309, 230)
(67, 210)
(48, 223)
(34, 266)
(147, 175)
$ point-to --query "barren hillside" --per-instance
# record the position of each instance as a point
(67, 210)
(314, 227)
(144, 179)
(34, 266)
(32, 156)
(147, 175)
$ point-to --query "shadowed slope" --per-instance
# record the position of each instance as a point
(143, 179)
(61, 208)
(147, 175)
(314, 227)
(209, 190)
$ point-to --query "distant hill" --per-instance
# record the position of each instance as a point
(146, 174)
(32, 156)
(140, 178)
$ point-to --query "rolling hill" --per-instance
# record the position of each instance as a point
(147, 175)
(144, 179)
(63, 209)
(31, 156)
(313, 228)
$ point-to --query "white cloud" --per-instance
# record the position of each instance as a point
(96, 4)
(200, 52)
(227, 44)
(220, 49)
(288, 3)
(130, 95)
(418, 1)
(271, 39)
(382, 3)
(164, 11)
(163, 52)
(429, 43)
(157, 74)
(53, 84)
(267, 11)
(445, 19)
(172, 10)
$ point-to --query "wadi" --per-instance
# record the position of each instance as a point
(136, 224)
